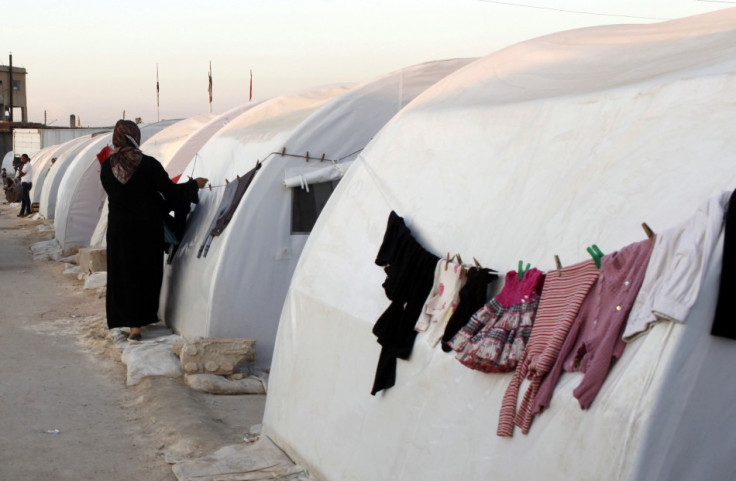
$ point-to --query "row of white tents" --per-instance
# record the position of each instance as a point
(542, 148)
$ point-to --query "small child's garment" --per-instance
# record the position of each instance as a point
(594, 341)
(496, 335)
(676, 268)
(449, 278)
(472, 297)
(561, 299)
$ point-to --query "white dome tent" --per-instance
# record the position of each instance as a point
(258, 251)
(50, 188)
(192, 299)
(45, 191)
(81, 196)
(8, 162)
(40, 161)
(164, 144)
(542, 148)
(185, 152)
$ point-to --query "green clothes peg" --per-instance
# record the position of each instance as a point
(521, 271)
(596, 254)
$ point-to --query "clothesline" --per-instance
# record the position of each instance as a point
(282, 154)
(542, 324)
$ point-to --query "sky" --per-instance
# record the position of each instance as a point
(98, 59)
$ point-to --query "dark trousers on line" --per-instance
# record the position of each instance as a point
(25, 199)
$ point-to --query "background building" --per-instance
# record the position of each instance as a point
(18, 100)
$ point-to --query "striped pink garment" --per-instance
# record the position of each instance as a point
(562, 296)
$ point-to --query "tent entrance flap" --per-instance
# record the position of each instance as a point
(306, 175)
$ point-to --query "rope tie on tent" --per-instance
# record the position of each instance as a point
(377, 181)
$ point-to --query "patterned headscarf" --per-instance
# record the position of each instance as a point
(126, 157)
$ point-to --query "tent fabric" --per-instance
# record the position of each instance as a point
(540, 149)
(239, 288)
(7, 163)
(47, 190)
(186, 150)
(164, 145)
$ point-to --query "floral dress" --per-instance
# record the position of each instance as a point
(495, 337)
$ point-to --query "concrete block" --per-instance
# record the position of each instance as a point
(92, 260)
(216, 355)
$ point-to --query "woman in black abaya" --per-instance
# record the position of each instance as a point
(135, 184)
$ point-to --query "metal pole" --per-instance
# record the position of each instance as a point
(10, 90)
(158, 107)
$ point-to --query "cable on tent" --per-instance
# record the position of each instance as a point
(579, 11)
(194, 165)
(378, 183)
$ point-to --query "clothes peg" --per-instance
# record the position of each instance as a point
(477, 264)
(558, 264)
(238, 176)
(227, 182)
(323, 158)
(459, 259)
(447, 260)
(596, 254)
(283, 151)
(210, 186)
(649, 231)
(307, 156)
(521, 271)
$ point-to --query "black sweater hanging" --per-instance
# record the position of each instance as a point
(724, 323)
(409, 277)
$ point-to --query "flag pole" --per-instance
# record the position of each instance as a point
(209, 87)
(158, 106)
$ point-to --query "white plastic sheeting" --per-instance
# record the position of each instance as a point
(543, 148)
(81, 196)
(46, 190)
(247, 271)
(8, 162)
(50, 187)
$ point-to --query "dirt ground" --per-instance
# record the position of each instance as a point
(65, 413)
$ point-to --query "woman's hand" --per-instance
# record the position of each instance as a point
(201, 182)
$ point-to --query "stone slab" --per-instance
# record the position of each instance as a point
(92, 260)
(213, 355)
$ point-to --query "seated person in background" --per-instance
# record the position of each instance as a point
(14, 191)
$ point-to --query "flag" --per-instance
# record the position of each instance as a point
(250, 92)
(157, 89)
(209, 88)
